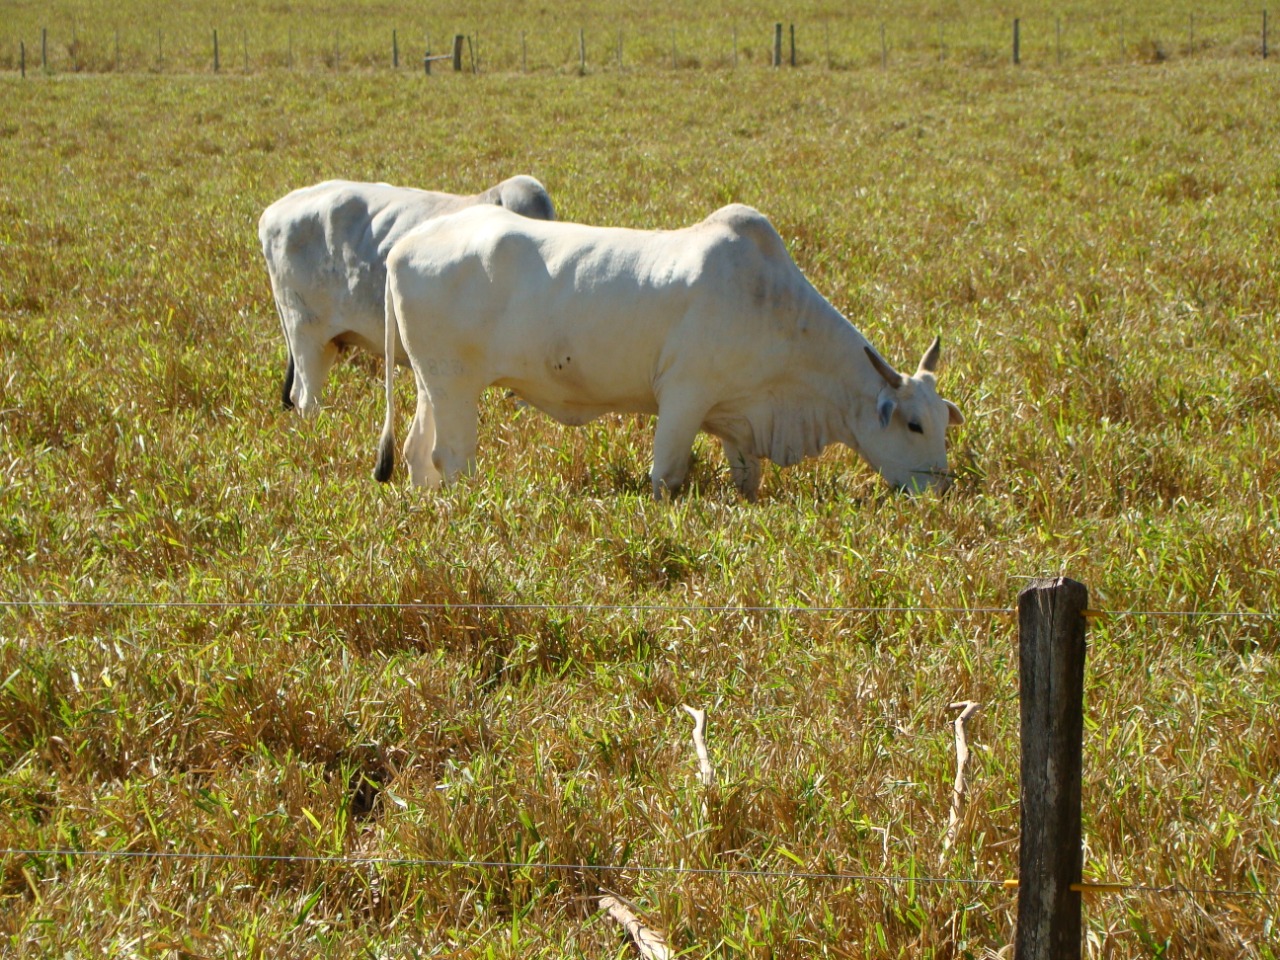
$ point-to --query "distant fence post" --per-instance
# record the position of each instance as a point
(1264, 33)
(44, 49)
(793, 44)
(1017, 41)
(216, 64)
(458, 40)
(22, 57)
(582, 50)
(395, 50)
(777, 44)
(1051, 641)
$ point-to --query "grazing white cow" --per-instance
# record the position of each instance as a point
(712, 328)
(326, 250)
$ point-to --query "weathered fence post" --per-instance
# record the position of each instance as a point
(582, 50)
(1057, 27)
(1017, 41)
(22, 57)
(458, 40)
(44, 49)
(884, 48)
(215, 52)
(1051, 641)
(793, 44)
(777, 44)
(395, 50)
(1264, 33)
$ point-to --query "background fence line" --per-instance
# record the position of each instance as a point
(835, 43)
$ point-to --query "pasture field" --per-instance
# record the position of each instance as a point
(1099, 246)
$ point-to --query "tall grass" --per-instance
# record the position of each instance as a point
(1097, 246)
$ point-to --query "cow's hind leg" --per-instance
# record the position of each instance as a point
(744, 468)
(678, 423)
(457, 429)
(421, 440)
(311, 364)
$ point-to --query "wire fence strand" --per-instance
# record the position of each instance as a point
(722, 872)
(589, 607)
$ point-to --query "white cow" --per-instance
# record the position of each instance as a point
(326, 250)
(712, 328)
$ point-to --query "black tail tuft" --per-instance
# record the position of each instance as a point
(386, 458)
(286, 392)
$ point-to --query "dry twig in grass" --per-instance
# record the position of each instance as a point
(706, 774)
(650, 943)
(967, 708)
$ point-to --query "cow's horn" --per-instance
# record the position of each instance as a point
(929, 362)
(891, 376)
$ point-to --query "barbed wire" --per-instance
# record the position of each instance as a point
(589, 607)
(723, 872)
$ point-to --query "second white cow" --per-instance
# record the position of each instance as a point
(712, 327)
(326, 250)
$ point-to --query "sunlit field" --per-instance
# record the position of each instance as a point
(286, 757)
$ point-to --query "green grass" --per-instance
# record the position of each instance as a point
(1096, 244)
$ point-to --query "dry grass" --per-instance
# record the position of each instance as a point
(1098, 248)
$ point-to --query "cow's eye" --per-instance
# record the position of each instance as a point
(914, 427)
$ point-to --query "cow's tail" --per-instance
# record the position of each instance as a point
(387, 442)
(286, 389)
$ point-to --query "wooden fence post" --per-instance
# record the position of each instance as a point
(215, 51)
(1017, 41)
(793, 44)
(1264, 33)
(777, 44)
(395, 50)
(1051, 641)
(582, 51)
(22, 57)
(458, 40)
(44, 49)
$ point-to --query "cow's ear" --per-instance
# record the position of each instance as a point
(885, 407)
(954, 416)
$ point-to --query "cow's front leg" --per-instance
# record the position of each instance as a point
(679, 420)
(418, 445)
(744, 468)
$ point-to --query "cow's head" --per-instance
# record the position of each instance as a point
(905, 435)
